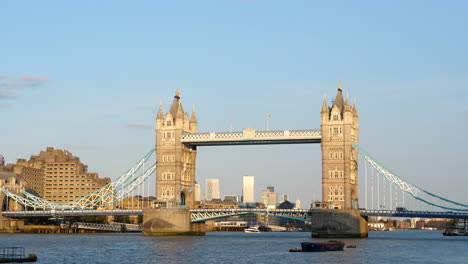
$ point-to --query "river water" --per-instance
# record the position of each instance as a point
(401, 246)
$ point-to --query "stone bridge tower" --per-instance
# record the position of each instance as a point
(175, 163)
(340, 126)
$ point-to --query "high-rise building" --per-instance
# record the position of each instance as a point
(271, 188)
(298, 204)
(285, 198)
(248, 194)
(197, 192)
(56, 175)
(269, 198)
(212, 189)
(2, 160)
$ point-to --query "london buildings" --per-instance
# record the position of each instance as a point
(56, 175)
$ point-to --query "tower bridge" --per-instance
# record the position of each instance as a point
(177, 143)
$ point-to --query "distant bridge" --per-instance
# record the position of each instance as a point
(201, 215)
(415, 214)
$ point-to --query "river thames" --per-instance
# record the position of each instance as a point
(401, 246)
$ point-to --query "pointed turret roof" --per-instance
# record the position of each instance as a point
(325, 108)
(176, 107)
(339, 102)
(160, 111)
(193, 118)
(347, 106)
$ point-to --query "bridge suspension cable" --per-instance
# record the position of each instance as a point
(407, 187)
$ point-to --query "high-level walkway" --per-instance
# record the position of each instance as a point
(251, 137)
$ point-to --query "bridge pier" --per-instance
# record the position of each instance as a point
(168, 222)
(332, 223)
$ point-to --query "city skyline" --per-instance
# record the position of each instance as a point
(92, 83)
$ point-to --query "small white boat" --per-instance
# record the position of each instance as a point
(252, 229)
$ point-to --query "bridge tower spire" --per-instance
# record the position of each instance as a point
(340, 126)
(175, 162)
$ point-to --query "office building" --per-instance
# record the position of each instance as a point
(269, 198)
(197, 193)
(212, 189)
(248, 194)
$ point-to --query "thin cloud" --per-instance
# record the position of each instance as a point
(140, 125)
(5, 105)
(7, 95)
(23, 81)
(11, 84)
(34, 78)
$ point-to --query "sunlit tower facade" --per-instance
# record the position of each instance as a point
(175, 162)
(339, 126)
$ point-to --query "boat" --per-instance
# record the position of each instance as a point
(15, 254)
(460, 229)
(322, 246)
(252, 229)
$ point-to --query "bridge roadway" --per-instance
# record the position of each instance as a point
(200, 215)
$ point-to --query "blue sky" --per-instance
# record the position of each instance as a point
(74, 75)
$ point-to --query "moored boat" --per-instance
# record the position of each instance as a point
(252, 229)
(459, 229)
(15, 254)
(322, 246)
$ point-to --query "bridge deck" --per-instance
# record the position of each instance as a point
(252, 137)
(205, 214)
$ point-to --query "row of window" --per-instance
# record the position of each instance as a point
(168, 175)
(167, 192)
(335, 198)
(67, 180)
(335, 155)
(49, 169)
(60, 164)
(66, 176)
(335, 130)
(168, 158)
(186, 176)
(77, 189)
(336, 174)
(74, 184)
(168, 134)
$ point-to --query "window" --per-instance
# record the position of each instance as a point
(169, 123)
(335, 117)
